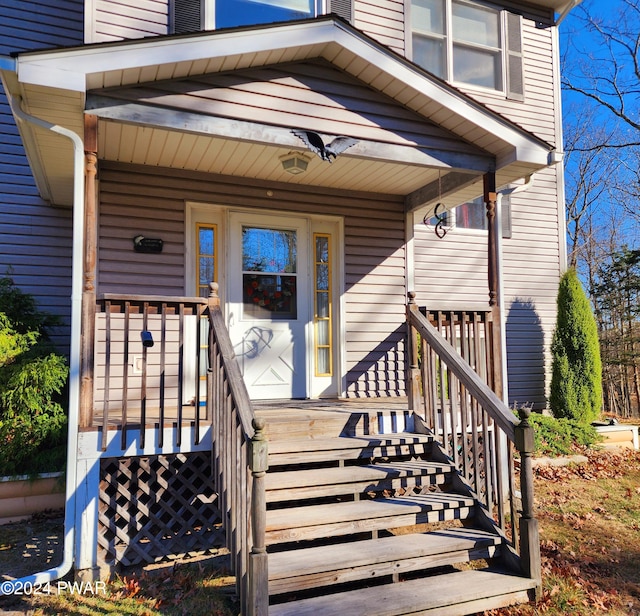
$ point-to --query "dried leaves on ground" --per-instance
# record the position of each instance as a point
(589, 518)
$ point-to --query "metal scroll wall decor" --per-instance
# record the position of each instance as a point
(441, 220)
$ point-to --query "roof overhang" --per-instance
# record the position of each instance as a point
(53, 85)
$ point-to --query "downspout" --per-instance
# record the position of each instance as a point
(43, 577)
(503, 324)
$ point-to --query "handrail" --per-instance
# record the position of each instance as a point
(475, 428)
(240, 461)
(496, 408)
(236, 383)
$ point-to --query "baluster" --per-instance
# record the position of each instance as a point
(163, 354)
(125, 376)
(143, 390)
(107, 375)
(413, 376)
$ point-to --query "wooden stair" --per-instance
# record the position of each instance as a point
(366, 524)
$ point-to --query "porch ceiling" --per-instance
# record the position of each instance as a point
(53, 85)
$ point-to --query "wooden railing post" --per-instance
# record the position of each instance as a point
(89, 272)
(258, 566)
(529, 537)
(413, 370)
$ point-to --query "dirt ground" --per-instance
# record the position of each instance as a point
(27, 547)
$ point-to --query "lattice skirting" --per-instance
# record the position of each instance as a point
(156, 508)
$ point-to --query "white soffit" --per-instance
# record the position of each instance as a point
(129, 62)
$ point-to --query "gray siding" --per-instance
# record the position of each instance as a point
(452, 273)
(382, 20)
(113, 20)
(151, 201)
(35, 243)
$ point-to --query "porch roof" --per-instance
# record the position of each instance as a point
(56, 85)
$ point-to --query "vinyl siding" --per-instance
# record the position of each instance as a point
(382, 20)
(113, 20)
(151, 200)
(35, 243)
(452, 273)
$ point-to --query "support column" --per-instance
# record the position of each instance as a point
(490, 199)
(89, 271)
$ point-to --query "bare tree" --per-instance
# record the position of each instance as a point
(602, 64)
(590, 180)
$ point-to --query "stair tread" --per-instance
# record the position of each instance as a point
(416, 596)
(375, 551)
(348, 474)
(297, 517)
(348, 442)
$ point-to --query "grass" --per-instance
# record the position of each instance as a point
(590, 542)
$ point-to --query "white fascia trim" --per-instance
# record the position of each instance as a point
(75, 65)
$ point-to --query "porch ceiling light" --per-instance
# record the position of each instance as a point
(294, 163)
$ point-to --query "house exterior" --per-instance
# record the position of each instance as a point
(157, 147)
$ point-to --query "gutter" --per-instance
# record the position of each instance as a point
(503, 329)
(44, 577)
(566, 10)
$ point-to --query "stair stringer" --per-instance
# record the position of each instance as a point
(508, 557)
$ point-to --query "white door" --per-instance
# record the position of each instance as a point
(269, 302)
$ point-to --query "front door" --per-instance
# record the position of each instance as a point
(269, 306)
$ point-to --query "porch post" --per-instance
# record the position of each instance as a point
(490, 199)
(89, 273)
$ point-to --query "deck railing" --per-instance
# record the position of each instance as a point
(148, 366)
(169, 361)
(239, 466)
(451, 362)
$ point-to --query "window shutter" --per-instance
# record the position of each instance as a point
(342, 8)
(506, 216)
(187, 16)
(515, 68)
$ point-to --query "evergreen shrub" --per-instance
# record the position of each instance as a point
(576, 380)
(32, 379)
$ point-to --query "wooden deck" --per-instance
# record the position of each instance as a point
(275, 412)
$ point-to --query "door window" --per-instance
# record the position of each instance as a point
(269, 273)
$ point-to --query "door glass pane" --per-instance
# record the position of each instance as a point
(322, 312)
(322, 300)
(206, 258)
(268, 250)
(269, 264)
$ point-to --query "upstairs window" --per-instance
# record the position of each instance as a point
(231, 13)
(468, 43)
(195, 15)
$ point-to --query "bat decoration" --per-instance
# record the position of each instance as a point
(325, 152)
